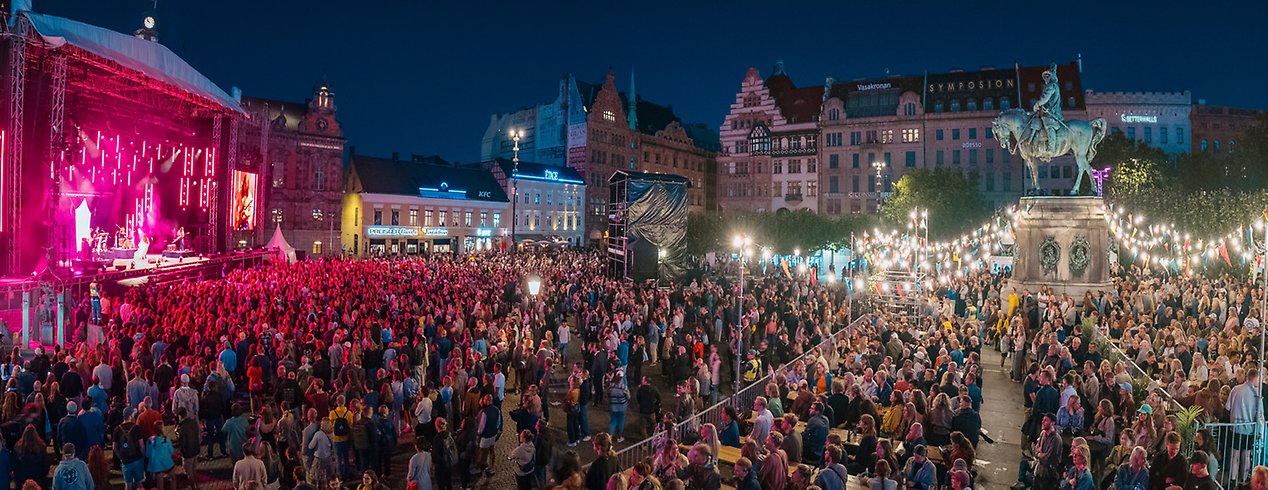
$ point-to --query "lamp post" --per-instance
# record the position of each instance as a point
(741, 243)
(516, 135)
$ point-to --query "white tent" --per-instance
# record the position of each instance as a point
(278, 243)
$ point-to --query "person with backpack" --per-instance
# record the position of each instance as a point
(523, 457)
(158, 458)
(341, 433)
(619, 399)
(211, 409)
(419, 470)
(321, 447)
(365, 439)
(387, 440)
(189, 440)
(129, 447)
(444, 455)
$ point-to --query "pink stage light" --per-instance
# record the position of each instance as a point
(3, 170)
(83, 223)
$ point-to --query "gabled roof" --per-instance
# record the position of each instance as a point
(704, 137)
(415, 178)
(797, 105)
(149, 58)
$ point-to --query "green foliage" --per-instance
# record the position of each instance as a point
(784, 231)
(1136, 175)
(952, 198)
(1116, 149)
(1187, 424)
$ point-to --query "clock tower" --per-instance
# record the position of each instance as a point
(149, 27)
(321, 113)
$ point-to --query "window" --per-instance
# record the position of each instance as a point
(871, 183)
(834, 114)
(497, 220)
(1162, 135)
(939, 157)
(911, 135)
(777, 167)
(834, 161)
(990, 156)
(1131, 132)
(1116, 130)
(443, 218)
(1004, 104)
(955, 105)
(909, 109)
(937, 134)
(810, 165)
(1216, 147)
(1007, 182)
(317, 248)
(1149, 134)
(812, 189)
(1067, 172)
(1180, 135)
(1069, 102)
(972, 133)
(278, 216)
(484, 218)
(319, 181)
(888, 160)
(608, 115)
(854, 160)
(887, 136)
(537, 197)
(955, 157)
(855, 183)
(549, 197)
(856, 138)
(990, 134)
(937, 106)
(427, 217)
(871, 137)
(1231, 143)
(834, 184)
(1202, 145)
(794, 188)
(777, 189)
(794, 166)
(871, 158)
(1043, 171)
(973, 157)
(972, 106)
(911, 159)
(988, 104)
(378, 216)
(990, 182)
(413, 217)
(955, 134)
(1008, 157)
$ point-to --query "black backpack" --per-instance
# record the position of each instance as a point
(342, 429)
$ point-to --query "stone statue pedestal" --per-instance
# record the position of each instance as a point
(1062, 242)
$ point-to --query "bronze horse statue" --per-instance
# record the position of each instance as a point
(1012, 129)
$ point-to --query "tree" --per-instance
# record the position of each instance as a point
(1135, 176)
(783, 232)
(952, 198)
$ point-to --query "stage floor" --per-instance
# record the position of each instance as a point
(155, 261)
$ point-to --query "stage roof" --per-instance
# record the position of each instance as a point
(150, 58)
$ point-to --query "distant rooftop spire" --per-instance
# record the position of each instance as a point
(779, 68)
(633, 110)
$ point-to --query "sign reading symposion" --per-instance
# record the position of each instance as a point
(968, 82)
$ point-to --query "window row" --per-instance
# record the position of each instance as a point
(443, 217)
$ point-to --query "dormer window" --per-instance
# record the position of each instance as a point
(609, 116)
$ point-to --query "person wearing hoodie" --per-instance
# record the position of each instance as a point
(745, 477)
(72, 473)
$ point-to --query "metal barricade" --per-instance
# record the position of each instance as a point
(646, 448)
(1237, 449)
(1119, 357)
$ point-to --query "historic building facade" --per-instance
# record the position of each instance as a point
(297, 152)
(770, 146)
(1217, 128)
(551, 200)
(1159, 119)
(421, 206)
(596, 130)
(874, 131)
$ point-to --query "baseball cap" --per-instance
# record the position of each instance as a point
(1146, 409)
(1125, 386)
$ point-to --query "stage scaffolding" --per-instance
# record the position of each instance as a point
(897, 291)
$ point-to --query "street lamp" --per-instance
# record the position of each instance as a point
(741, 243)
(516, 135)
(880, 188)
(534, 285)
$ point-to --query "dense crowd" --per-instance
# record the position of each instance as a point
(315, 374)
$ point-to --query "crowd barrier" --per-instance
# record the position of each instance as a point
(1117, 356)
(1228, 441)
(742, 400)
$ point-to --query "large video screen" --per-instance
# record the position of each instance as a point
(242, 206)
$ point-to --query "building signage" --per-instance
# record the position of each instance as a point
(874, 86)
(484, 231)
(964, 86)
(551, 175)
(971, 144)
(436, 231)
(1138, 119)
(485, 194)
(391, 231)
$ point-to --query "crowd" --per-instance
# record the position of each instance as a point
(315, 374)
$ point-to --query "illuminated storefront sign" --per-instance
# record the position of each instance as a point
(874, 86)
(962, 86)
(391, 231)
(436, 231)
(549, 176)
(484, 232)
(1138, 119)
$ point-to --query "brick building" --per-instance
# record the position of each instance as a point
(1216, 128)
(297, 151)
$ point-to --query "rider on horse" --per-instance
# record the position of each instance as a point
(1047, 110)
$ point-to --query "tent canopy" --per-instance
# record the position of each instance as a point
(278, 242)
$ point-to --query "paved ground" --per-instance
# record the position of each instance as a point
(1002, 416)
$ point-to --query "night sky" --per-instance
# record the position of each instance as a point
(424, 76)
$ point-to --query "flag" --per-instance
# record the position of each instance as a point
(1224, 253)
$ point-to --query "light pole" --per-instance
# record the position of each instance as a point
(741, 243)
(515, 187)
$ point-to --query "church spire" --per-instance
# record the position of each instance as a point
(633, 110)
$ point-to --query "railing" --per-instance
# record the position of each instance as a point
(1241, 443)
(1120, 357)
(646, 448)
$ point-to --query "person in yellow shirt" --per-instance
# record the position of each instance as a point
(341, 423)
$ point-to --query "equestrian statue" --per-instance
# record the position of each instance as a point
(1044, 134)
